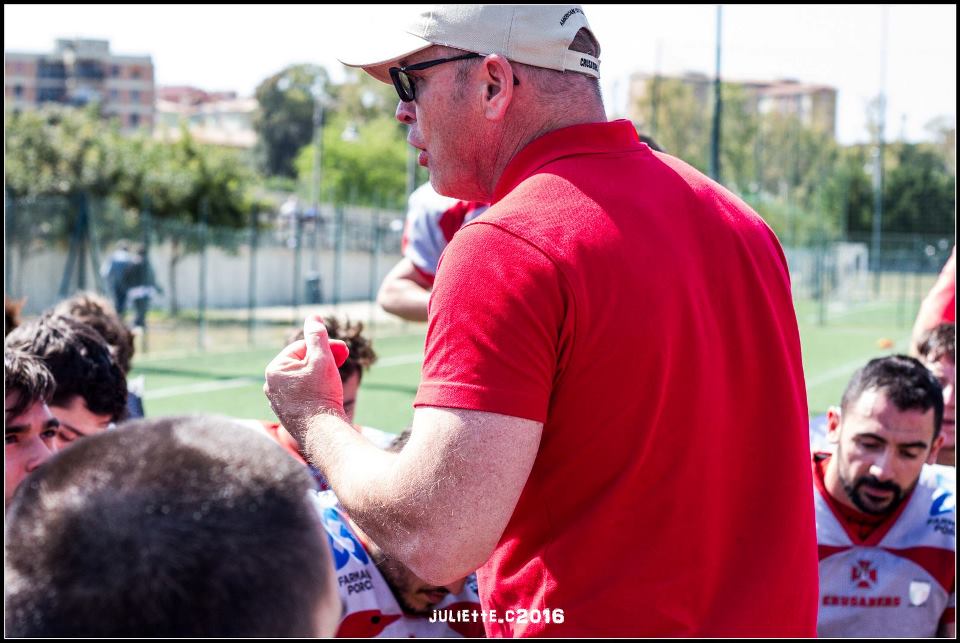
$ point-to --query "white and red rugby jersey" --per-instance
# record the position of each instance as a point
(901, 580)
(432, 220)
(370, 608)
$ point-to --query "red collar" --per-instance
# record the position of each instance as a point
(590, 138)
(862, 528)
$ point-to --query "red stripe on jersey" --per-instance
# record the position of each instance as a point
(937, 562)
(452, 219)
(824, 551)
(949, 616)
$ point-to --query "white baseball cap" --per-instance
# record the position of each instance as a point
(538, 35)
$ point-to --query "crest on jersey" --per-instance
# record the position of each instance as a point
(863, 574)
(919, 592)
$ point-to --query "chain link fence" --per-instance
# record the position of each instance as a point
(222, 287)
(216, 286)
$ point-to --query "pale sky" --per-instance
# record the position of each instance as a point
(234, 47)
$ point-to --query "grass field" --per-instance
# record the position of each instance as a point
(231, 382)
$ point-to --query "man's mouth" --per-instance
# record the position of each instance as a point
(435, 595)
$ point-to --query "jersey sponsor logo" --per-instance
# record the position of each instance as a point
(943, 504)
(342, 543)
(945, 526)
(919, 592)
(356, 582)
(863, 574)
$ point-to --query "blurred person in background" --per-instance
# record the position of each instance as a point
(95, 311)
(112, 271)
(432, 220)
(940, 304)
(937, 349)
(29, 427)
(173, 527)
(141, 284)
(886, 521)
(91, 390)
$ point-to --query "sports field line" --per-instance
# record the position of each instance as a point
(239, 382)
(844, 370)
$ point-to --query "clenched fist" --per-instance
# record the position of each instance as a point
(303, 380)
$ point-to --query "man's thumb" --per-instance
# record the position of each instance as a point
(315, 334)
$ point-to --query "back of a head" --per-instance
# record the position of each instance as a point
(98, 313)
(903, 380)
(79, 359)
(182, 526)
(938, 342)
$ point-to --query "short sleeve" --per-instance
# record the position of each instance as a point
(496, 315)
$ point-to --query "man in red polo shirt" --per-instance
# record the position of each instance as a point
(615, 318)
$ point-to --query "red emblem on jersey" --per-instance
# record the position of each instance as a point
(365, 624)
(863, 574)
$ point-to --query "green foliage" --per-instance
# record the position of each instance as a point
(919, 191)
(796, 176)
(367, 166)
(59, 150)
(284, 118)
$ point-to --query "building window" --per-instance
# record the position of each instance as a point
(114, 95)
(134, 120)
(18, 91)
(115, 71)
(134, 96)
(135, 72)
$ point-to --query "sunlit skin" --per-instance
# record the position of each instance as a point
(435, 120)
(880, 451)
(415, 596)
(78, 421)
(945, 370)
(351, 388)
(29, 441)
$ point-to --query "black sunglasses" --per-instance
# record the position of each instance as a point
(404, 82)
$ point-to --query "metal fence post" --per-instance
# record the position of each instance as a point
(11, 236)
(252, 286)
(338, 256)
(297, 243)
(202, 303)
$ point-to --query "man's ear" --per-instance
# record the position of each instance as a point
(935, 449)
(497, 76)
(833, 424)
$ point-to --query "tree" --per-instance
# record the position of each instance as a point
(919, 192)
(182, 184)
(671, 111)
(60, 150)
(284, 118)
(365, 167)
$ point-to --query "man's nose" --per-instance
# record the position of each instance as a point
(882, 466)
(39, 454)
(406, 113)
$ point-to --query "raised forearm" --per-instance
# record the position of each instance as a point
(421, 506)
(404, 298)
